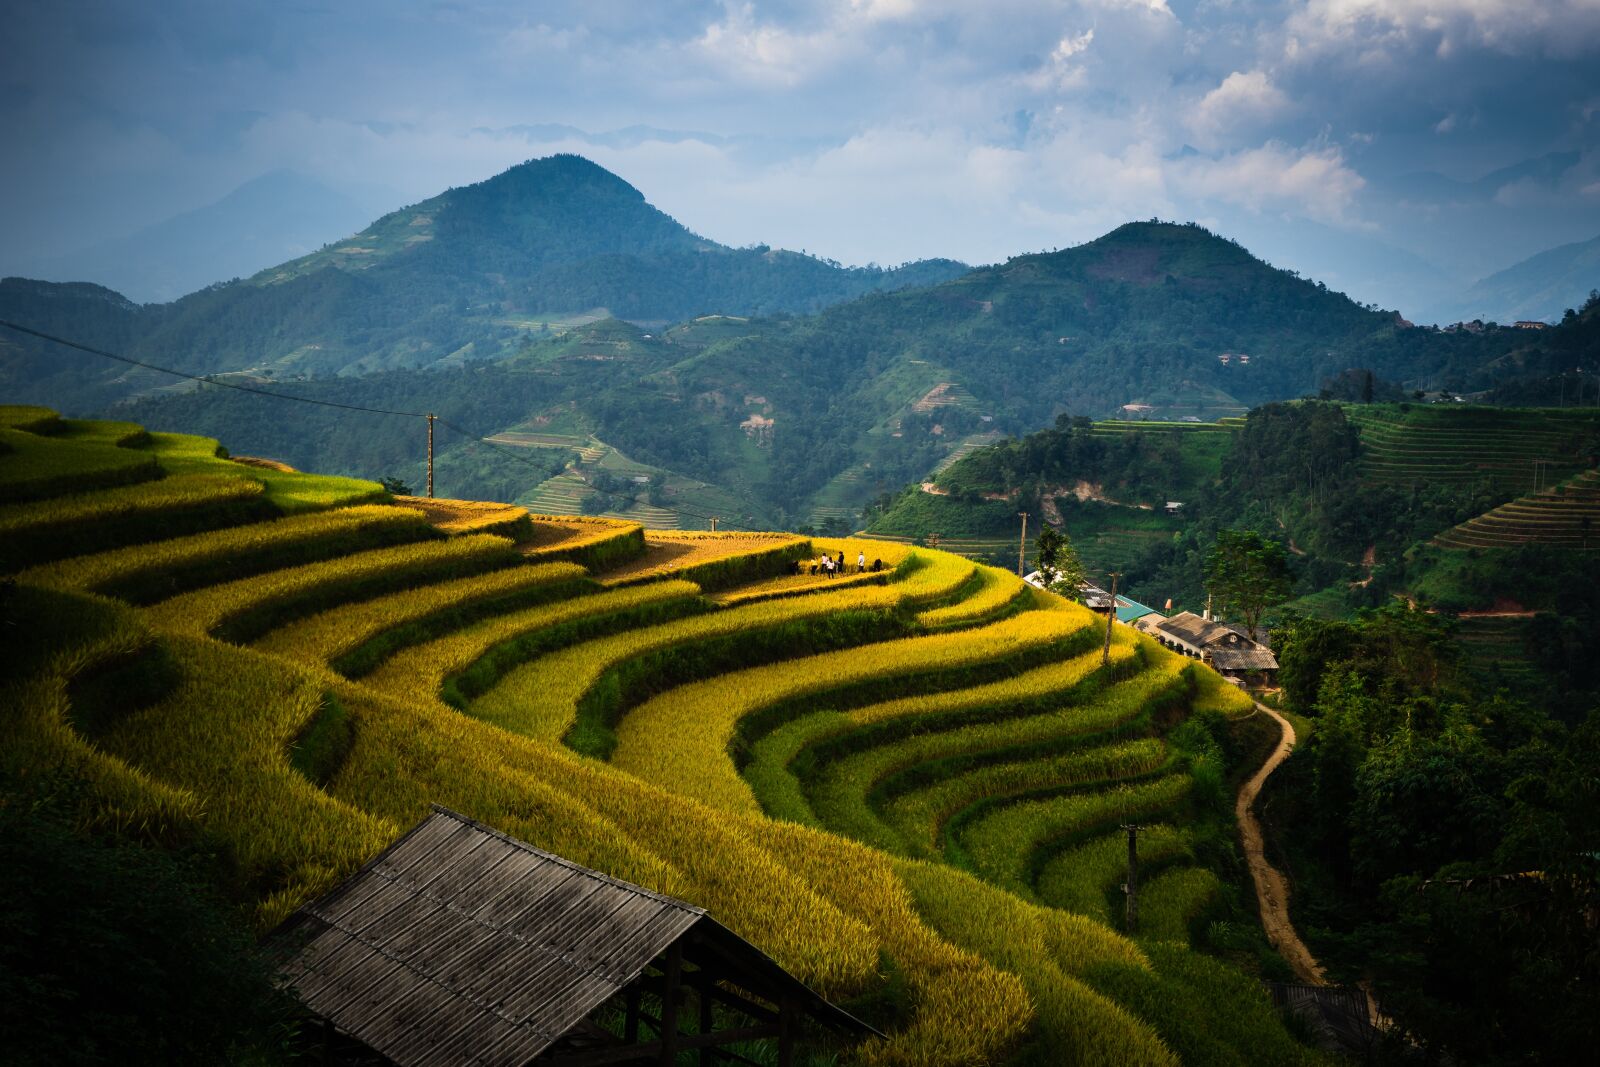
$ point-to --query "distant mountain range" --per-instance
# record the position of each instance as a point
(798, 387)
(1541, 288)
(277, 216)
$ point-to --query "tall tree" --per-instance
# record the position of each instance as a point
(1059, 566)
(1247, 574)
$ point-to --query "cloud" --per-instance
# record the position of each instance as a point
(1244, 100)
(1561, 28)
(1316, 183)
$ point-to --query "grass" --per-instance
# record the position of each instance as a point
(146, 573)
(243, 610)
(1000, 739)
(35, 468)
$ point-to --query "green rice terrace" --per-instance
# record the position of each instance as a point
(903, 784)
(1564, 516)
(1517, 450)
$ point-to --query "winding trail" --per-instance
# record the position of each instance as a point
(1272, 889)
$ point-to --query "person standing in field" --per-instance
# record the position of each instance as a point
(861, 562)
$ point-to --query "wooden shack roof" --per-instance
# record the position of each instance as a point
(460, 944)
(1243, 659)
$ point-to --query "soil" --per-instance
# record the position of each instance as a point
(1272, 888)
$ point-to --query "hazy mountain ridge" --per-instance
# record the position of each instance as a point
(278, 215)
(814, 416)
(475, 266)
(801, 415)
(1539, 288)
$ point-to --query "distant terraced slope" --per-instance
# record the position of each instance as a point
(904, 785)
(1515, 449)
(1566, 516)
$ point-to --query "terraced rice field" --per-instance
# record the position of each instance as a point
(1514, 450)
(1566, 516)
(904, 786)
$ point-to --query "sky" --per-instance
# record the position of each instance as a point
(1393, 148)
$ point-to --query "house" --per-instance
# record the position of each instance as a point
(458, 944)
(1173, 507)
(1530, 324)
(1236, 655)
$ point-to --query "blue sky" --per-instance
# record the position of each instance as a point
(1346, 138)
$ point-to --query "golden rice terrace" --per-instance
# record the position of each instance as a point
(904, 784)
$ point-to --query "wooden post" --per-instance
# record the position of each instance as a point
(1022, 545)
(669, 1004)
(708, 1055)
(1111, 617)
(713, 524)
(788, 1024)
(430, 457)
(1132, 886)
(630, 1027)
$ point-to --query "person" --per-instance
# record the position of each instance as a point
(877, 565)
(841, 561)
(861, 562)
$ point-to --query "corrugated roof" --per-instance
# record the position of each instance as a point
(1130, 610)
(1243, 659)
(459, 944)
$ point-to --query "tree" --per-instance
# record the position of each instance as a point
(1059, 566)
(394, 486)
(1247, 574)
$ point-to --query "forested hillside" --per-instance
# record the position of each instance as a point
(502, 307)
(807, 419)
(469, 272)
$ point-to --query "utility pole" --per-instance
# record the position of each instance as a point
(1022, 544)
(713, 524)
(1131, 887)
(1111, 617)
(430, 456)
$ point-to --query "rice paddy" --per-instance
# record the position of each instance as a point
(901, 784)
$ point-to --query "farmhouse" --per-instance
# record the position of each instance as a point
(1228, 649)
(459, 944)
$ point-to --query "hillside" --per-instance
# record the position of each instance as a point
(1540, 288)
(806, 420)
(468, 272)
(905, 785)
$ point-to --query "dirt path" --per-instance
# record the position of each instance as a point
(1272, 889)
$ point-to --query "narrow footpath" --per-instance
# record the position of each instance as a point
(1272, 889)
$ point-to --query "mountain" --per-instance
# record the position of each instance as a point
(804, 419)
(468, 273)
(275, 217)
(1541, 288)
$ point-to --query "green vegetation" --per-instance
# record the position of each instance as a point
(1441, 838)
(969, 714)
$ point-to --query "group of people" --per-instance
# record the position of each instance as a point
(831, 566)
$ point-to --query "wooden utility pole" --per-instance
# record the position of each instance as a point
(1022, 544)
(1131, 887)
(1111, 617)
(430, 457)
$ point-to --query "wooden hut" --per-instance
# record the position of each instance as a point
(460, 945)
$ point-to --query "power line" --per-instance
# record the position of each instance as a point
(471, 438)
(203, 380)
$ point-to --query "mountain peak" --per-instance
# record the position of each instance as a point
(560, 175)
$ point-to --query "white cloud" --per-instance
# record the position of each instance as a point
(1561, 28)
(1244, 101)
(1315, 183)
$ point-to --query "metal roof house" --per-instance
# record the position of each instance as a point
(1228, 649)
(461, 945)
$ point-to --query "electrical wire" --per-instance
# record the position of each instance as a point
(471, 438)
(203, 380)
